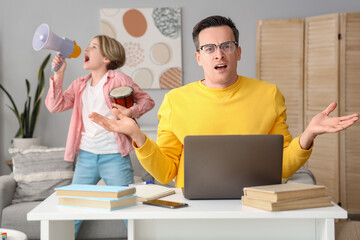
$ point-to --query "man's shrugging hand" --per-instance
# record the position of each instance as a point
(323, 123)
(122, 124)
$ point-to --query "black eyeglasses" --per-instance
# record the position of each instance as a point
(225, 47)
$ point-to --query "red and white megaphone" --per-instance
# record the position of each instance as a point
(44, 38)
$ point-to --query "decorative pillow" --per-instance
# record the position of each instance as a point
(37, 171)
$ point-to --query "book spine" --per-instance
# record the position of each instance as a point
(95, 194)
(287, 204)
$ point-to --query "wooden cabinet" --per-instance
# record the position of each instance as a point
(327, 70)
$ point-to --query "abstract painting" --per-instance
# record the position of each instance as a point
(152, 41)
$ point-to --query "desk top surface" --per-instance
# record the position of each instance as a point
(198, 209)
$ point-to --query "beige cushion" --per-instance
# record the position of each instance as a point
(37, 171)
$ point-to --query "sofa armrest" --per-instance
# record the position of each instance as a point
(140, 173)
(303, 175)
(7, 191)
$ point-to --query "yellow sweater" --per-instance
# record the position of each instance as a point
(249, 106)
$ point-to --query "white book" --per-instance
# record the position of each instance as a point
(152, 191)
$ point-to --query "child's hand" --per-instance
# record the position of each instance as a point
(124, 111)
(56, 61)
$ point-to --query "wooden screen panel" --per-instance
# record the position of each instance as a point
(321, 80)
(321, 61)
(279, 60)
(350, 170)
(324, 162)
(350, 103)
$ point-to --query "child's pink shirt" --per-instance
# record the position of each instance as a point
(59, 101)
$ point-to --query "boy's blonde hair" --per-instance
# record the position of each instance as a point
(113, 50)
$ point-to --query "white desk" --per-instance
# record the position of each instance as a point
(210, 219)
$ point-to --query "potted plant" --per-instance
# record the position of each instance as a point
(28, 118)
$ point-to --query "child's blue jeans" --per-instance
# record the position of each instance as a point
(114, 169)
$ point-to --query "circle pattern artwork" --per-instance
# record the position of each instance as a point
(160, 53)
(135, 23)
(110, 11)
(171, 78)
(143, 77)
(108, 29)
(168, 21)
(152, 41)
(134, 54)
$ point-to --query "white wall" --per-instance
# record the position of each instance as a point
(79, 20)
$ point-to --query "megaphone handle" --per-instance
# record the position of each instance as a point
(56, 68)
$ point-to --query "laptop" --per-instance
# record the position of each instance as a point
(220, 166)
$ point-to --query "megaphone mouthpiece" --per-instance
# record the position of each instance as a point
(76, 52)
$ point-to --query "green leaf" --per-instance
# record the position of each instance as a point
(43, 65)
(10, 98)
(39, 92)
(27, 87)
(20, 132)
(27, 119)
(41, 80)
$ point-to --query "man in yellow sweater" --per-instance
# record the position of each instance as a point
(221, 103)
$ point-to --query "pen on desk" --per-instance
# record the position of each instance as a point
(144, 183)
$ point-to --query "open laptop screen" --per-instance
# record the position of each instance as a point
(220, 166)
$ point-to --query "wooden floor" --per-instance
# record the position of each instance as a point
(347, 230)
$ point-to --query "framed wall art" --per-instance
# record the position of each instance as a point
(152, 41)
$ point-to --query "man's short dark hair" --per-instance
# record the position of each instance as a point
(213, 21)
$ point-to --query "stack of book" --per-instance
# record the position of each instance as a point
(280, 197)
(96, 196)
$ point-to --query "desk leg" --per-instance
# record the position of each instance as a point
(131, 229)
(325, 229)
(57, 230)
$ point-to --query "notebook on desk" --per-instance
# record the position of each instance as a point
(220, 166)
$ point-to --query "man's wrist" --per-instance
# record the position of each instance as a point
(306, 139)
(139, 138)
